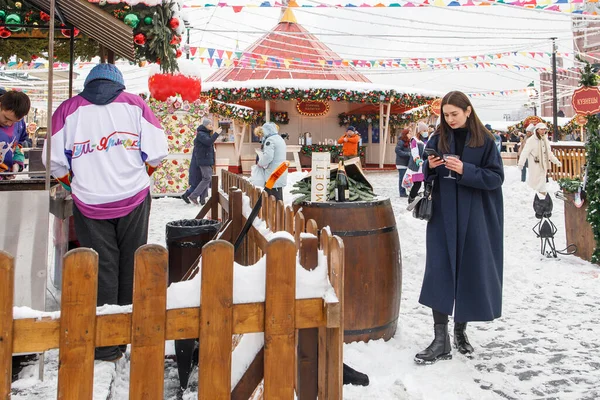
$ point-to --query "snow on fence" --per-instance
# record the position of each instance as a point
(79, 330)
(318, 370)
(303, 337)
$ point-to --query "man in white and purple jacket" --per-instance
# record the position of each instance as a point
(105, 145)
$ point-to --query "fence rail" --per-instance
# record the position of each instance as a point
(79, 330)
(303, 338)
(573, 163)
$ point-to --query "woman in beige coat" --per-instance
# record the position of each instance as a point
(538, 154)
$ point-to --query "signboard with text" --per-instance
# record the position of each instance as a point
(586, 100)
(312, 108)
(320, 176)
(436, 106)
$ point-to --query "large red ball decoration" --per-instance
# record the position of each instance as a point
(163, 86)
(178, 53)
(44, 17)
(175, 40)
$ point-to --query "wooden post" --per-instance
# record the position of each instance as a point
(235, 205)
(280, 319)
(331, 340)
(311, 227)
(216, 321)
(272, 214)
(289, 220)
(7, 277)
(78, 325)
(148, 323)
(266, 207)
(214, 198)
(308, 339)
(299, 226)
(280, 216)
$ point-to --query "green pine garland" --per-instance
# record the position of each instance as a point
(589, 78)
(396, 120)
(247, 115)
(235, 95)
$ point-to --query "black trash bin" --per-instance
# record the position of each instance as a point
(185, 239)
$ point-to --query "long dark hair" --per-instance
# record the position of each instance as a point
(474, 125)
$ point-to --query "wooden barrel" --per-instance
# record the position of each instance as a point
(373, 266)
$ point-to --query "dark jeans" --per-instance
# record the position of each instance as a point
(401, 173)
(524, 172)
(277, 192)
(115, 241)
(201, 190)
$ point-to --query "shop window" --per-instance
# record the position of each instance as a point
(375, 133)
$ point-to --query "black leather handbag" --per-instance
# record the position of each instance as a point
(424, 208)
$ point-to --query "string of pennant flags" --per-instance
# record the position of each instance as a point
(211, 53)
(499, 93)
(222, 58)
(564, 6)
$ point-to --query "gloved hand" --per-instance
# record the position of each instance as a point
(559, 164)
(419, 162)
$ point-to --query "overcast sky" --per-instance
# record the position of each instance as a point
(413, 32)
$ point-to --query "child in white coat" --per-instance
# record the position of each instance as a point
(538, 154)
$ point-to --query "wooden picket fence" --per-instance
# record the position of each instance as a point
(303, 338)
(573, 163)
(314, 376)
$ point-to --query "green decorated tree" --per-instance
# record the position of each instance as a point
(156, 32)
(590, 78)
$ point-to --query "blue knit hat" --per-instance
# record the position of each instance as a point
(105, 71)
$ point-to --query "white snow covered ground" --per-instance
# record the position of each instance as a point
(545, 346)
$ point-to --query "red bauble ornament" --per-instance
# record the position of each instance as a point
(34, 57)
(4, 33)
(178, 53)
(139, 39)
(44, 17)
(163, 86)
(175, 40)
(67, 32)
(174, 23)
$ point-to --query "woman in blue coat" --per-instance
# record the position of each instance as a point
(463, 272)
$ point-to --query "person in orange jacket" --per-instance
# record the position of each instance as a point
(349, 142)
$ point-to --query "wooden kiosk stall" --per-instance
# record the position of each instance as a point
(270, 77)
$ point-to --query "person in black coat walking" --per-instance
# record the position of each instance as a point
(402, 157)
(464, 261)
(204, 157)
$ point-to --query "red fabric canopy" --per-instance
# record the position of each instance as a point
(289, 41)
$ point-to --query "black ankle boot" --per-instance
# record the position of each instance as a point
(439, 349)
(461, 341)
(353, 377)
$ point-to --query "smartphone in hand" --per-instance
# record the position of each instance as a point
(431, 152)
